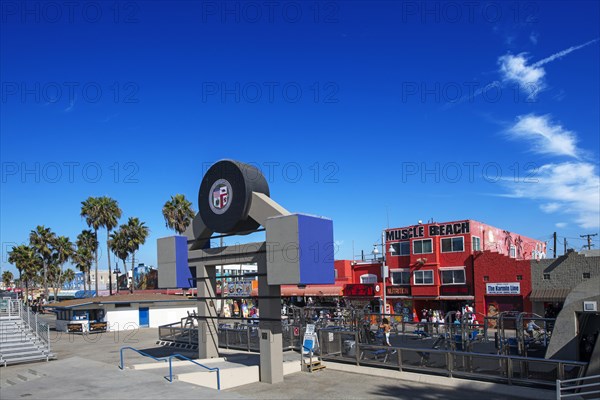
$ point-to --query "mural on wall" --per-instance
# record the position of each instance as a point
(145, 277)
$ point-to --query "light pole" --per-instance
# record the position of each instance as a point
(117, 271)
(384, 267)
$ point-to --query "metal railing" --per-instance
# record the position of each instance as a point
(344, 346)
(169, 360)
(238, 336)
(41, 329)
(561, 387)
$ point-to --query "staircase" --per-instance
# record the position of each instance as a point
(22, 337)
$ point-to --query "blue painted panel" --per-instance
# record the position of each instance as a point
(315, 237)
(144, 317)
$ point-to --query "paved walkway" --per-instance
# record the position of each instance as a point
(87, 368)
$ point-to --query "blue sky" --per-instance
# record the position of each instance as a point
(370, 113)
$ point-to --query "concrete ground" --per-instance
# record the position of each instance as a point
(87, 367)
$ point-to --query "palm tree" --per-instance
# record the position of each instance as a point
(27, 262)
(119, 245)
(41, 240)
(178, 213)
(62, 251)
(137, 233)
(7, 278)
(83, 259)
(86, 245)
(108, 214)
(67, 276)
(90, 210)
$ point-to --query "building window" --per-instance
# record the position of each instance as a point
(546, 277)
(335, 274)
(513, 251)
(368, 278)
(519, 277)
(476, 243)
(453, 276)
(423, 246)
(400, 276)
(423, 277)
(586, 275)
(486, 278)
(453, 244)
(401, 249)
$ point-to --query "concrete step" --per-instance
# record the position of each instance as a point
(24, 353)
(27, 359)
(17, 350)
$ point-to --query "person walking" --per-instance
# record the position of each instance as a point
(385, 325)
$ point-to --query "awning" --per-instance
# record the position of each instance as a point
(309, 290)
(549, 294)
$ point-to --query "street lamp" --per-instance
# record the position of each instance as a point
(117, 271)
(384, 267)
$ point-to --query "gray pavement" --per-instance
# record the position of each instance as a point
(87, 368)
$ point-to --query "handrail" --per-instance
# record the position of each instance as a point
(560, 388)
(182, 357)
(169, 359)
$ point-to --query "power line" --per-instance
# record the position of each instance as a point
(589, 239)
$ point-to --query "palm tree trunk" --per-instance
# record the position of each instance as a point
(132, 271)
(110, 288)
(96, 283)
(45, 280)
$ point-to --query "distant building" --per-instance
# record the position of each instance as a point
(553, 279)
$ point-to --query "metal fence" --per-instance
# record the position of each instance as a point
(578, 387)
(345, 346)
(15, 308)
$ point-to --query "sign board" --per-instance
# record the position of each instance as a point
(296, 331)
(397, 290)
(310, 329)
(359, 290)
(74, 328)
(309, 343)
(590, 306)
(503, 288)
(330, 336)
(454, 290)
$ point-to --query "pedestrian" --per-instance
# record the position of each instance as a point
(385, 325)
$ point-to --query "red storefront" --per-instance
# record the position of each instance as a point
(437, 265)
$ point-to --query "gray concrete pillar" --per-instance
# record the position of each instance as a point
(208, 338)
(270, 332)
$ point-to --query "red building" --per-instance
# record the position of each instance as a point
(441, 266)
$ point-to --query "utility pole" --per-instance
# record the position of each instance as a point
(589, 239)
(554, 247)
(565, 243)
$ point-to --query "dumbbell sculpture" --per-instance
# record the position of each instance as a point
(234, 198)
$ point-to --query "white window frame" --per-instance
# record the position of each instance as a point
(399, 253)
(478, 243)
(368, 278)
(423, 276)
(452, 269)
(512, 253)
(400, 270)
(422, 240)
(451, 238)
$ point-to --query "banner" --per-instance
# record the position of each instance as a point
(503, 288)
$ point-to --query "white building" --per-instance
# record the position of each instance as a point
(121, 312)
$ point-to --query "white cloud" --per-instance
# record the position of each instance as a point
(533, 37)
(561, 224)
(545, 136)
(530, 78)
(515, 69)
(571, 188)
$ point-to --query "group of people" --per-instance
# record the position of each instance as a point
(38, 305)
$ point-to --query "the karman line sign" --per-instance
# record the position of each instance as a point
(503, 288)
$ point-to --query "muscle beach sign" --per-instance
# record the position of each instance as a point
(418, 231)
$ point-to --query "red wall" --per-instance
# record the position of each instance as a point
(500, 269)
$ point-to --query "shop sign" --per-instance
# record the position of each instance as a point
(418, 231)
(359, 290)
(503, 288)
(454, 289)
(237, 288)
(397, 291)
